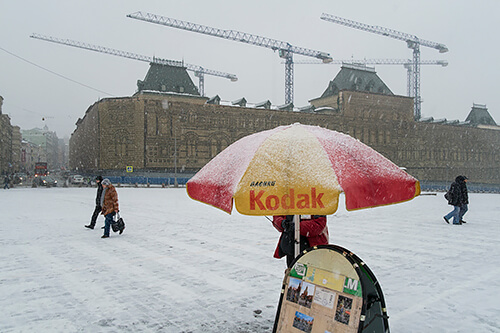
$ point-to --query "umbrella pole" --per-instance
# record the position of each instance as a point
(296, 220)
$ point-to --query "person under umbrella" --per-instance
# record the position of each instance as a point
(313, 231)
(298, 170)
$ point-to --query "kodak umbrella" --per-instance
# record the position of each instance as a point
(300, 169)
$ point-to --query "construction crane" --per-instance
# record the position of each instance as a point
(412, 41)
(285, 49)
(199, 71)
(407, 63)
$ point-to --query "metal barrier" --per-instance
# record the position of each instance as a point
(471, 187)
(166, 181)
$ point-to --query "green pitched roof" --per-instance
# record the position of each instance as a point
(167, 78)
(357, 78)
(479, 115)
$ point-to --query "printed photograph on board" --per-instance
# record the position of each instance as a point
(343, 311)
(300, 292)
(324, 297)
(303, 322)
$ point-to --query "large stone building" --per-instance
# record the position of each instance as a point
(167, 131)
(21, 149)
(9, 144)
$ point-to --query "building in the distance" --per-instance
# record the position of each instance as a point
(8, 133)
(165, 130)
(44, 146)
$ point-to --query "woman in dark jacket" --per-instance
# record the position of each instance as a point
(457, 197)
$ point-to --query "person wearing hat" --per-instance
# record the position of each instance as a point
(458, 197)
(109, 203)
(98, 207)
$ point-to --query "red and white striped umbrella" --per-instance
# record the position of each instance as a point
(300, 169)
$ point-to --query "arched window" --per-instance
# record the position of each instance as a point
(191, 144)
(121, 143)
(370, 86)
(218, 143)
(357, 83)
(333, 88)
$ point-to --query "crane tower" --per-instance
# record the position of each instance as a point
(285, 49)
(412, 41)
(199, 71)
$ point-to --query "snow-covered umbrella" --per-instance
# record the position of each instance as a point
(300, 170)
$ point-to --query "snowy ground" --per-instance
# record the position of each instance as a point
(182, 266)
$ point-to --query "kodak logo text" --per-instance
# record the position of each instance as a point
(260, 201)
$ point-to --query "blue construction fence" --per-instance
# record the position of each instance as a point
(471, 187)
(167, 181)
(427, 186)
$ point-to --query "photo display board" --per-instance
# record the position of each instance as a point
(323, 292)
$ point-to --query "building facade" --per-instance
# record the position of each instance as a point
(16, 148)
(6, 130)
(163, 132)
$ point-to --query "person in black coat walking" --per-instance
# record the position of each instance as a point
(6, 182)
(458, 197)
(98, 206)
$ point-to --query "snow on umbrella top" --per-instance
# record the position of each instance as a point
(300, 169)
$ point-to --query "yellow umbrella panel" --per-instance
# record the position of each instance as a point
(290, 174)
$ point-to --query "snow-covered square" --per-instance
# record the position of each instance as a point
(183, 266)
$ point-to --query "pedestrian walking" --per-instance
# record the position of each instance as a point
(313, 231)
(458, 197)
(6, 182)
(109, 204)
(98, 207)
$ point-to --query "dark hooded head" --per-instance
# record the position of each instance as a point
(460, 179)
(98, 178)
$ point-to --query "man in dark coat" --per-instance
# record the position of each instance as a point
(465, 198)
(6, 181)
(98, 207)
(459, 198)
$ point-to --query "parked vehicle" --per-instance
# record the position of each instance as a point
(20, 178)
(76, 180)
(45, 181)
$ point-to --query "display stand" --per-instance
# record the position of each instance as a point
(329, 289)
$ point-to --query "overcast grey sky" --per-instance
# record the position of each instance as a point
(469, 30)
